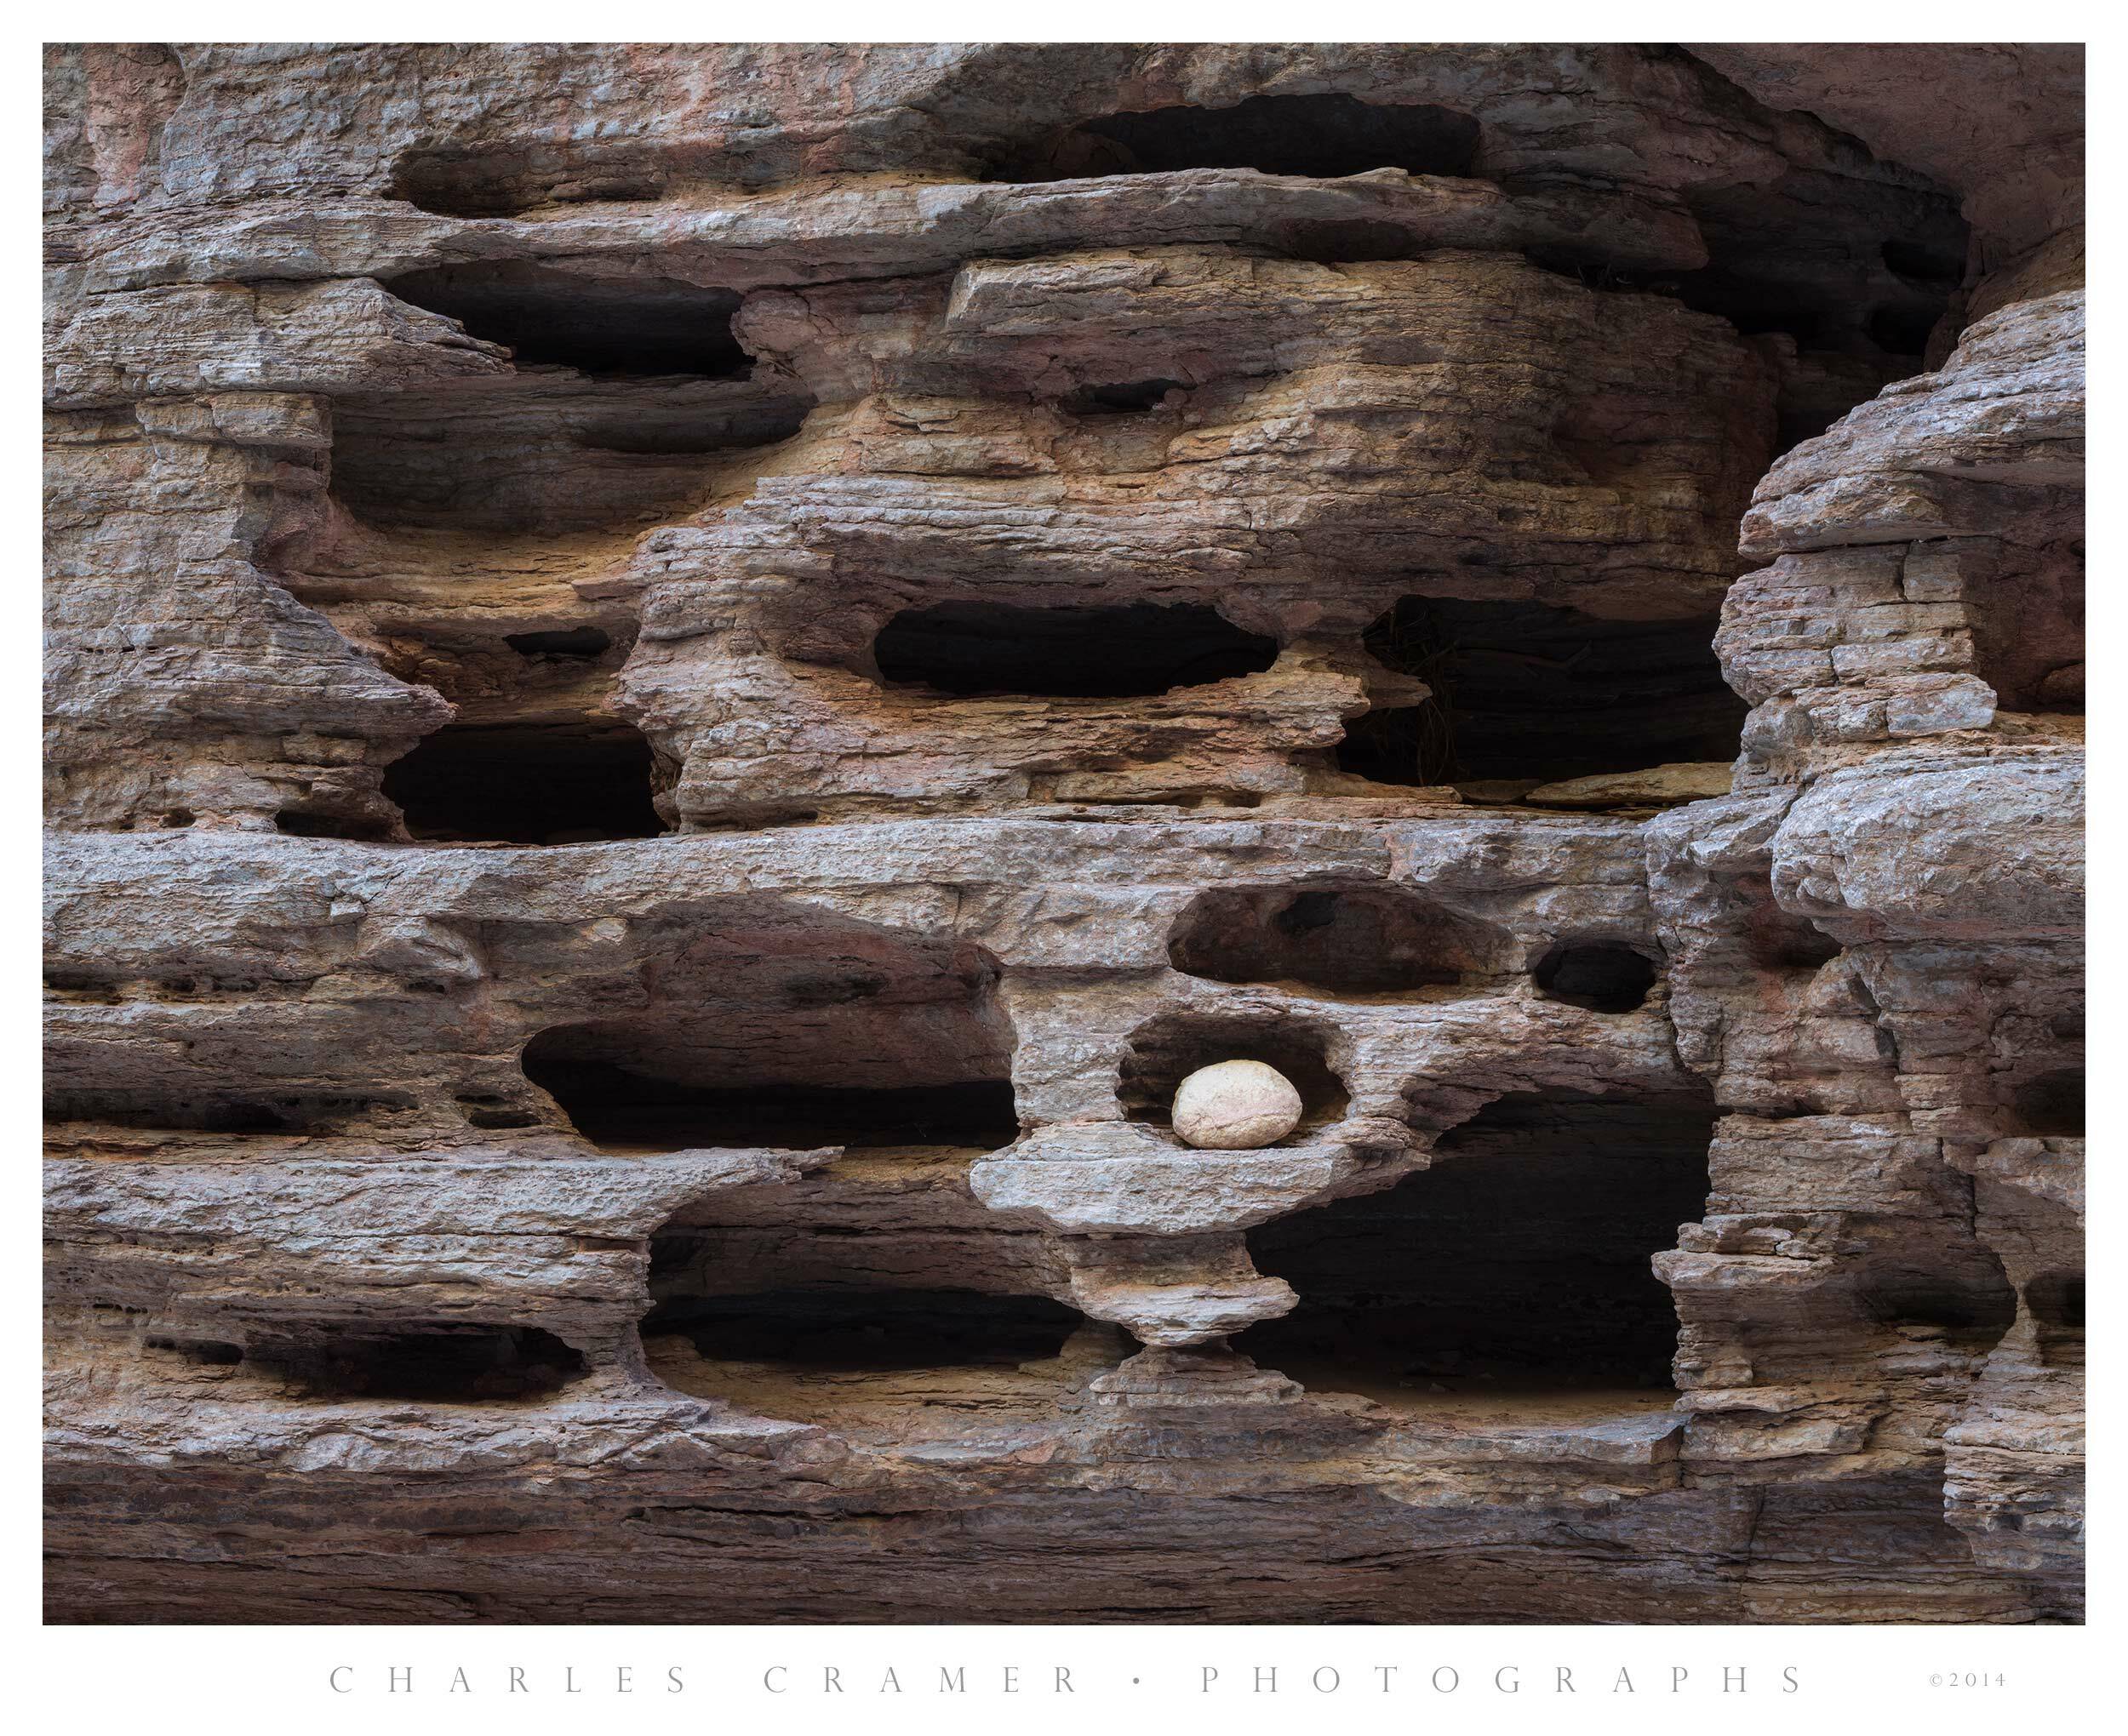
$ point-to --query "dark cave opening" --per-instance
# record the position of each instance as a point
(235, 1110)
(1128, 398)
(201, 1353)
(1168, 1048)
(1779, 940)
(1901, 331)
(1860, 260)
(491, 1111)
(1925, 260)
(1342, 940)
(1110, 652)
(780, 1028)
(560, 456)
(860, 1351)
(566, 642)
(2056, 1302)
(2052, 1105)
(2027, 613)
(1325, 136)
(1530, 694)
(857, 1326)
(474, 183)
(617, 1109)
(527, 784)
(1515, 1270)
(1601, 976)
(442, 1362)
(635, 325)
(1965, 1298)
(1856, 261)
(352, 828)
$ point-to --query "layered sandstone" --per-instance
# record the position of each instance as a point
(686, 683)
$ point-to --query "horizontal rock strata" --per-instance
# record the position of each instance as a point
(684, 683)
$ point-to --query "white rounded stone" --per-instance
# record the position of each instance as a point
(1235, 1106)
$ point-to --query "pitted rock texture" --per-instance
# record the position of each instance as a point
(686, 683)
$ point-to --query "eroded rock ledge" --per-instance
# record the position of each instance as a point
(665, 738)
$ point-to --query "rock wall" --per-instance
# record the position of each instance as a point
(684, 683)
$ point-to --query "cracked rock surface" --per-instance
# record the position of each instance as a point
(685, 684)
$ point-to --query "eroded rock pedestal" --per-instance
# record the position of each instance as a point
(686, 681)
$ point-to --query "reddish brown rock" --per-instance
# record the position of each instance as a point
(665, 741)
